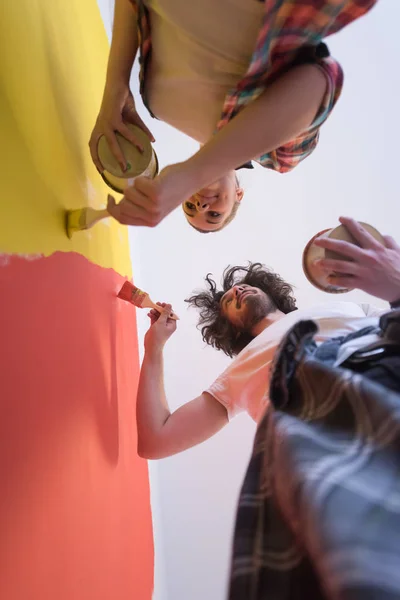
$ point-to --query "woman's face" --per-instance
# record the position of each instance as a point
(209, 208)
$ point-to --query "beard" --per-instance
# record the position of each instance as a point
(258, 306)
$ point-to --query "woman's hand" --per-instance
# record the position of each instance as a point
(149, 201)
(116, 112)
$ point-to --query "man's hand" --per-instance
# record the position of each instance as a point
(372, 267)
(161, 328)
(149, 201)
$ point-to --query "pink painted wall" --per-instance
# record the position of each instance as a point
(75, 516)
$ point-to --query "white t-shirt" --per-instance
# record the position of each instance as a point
(200, 50)
(244, 385)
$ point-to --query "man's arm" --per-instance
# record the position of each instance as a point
(160, 432)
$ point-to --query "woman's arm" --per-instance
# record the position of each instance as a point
(282, 112)
(118, 106)
(124, 45)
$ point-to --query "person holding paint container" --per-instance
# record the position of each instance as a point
(254, 303)
(247, 80)
(370, 263)
(319, 498)
(316, 501)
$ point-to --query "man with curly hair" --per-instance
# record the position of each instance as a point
(319, 502)
(247, 319)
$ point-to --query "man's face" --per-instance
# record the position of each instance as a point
(209, 208)
(244, 306)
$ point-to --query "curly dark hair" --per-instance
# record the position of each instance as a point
(216, 330)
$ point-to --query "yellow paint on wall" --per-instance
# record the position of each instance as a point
(52, 67)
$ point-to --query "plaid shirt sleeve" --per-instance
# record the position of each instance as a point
(289, 28)
(287, 157)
